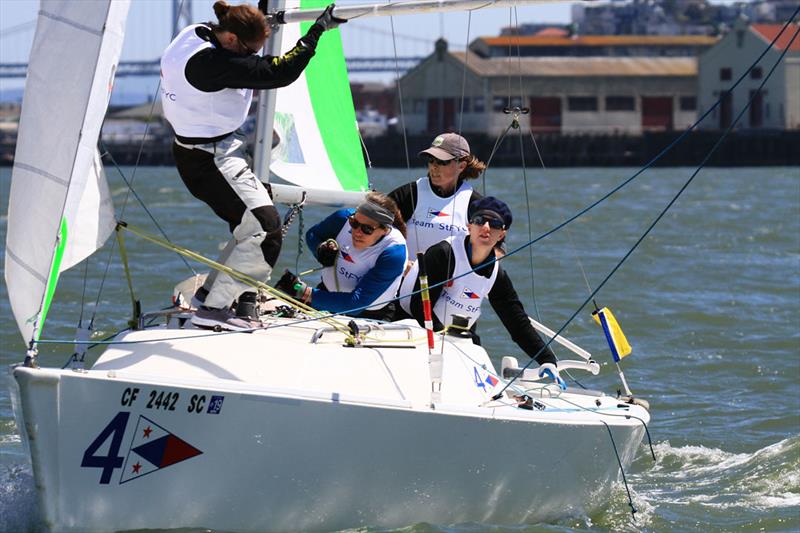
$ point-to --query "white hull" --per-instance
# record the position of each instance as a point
(317, 437)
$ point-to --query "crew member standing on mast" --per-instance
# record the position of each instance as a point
(208, 74)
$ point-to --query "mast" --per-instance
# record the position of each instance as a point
(265, 114)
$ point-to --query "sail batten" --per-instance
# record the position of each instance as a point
(59, 206)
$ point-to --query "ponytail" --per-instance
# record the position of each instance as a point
(244, 21)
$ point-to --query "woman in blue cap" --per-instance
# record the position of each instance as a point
(470, 263)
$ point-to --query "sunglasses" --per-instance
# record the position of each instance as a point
(480, 220)
(247, 49)
(438, 162)
(366, 229)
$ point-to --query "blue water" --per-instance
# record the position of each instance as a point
(710, 302)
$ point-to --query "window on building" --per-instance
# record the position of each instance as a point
(465, 105)
(582, 103)
(516, 101)
(688, 103)
(725, 74)
(756, 73)
(499, 103)
(620, 103)
(478, 104)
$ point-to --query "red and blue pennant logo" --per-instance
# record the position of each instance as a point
(470, 295)
(154, 448)
(346, 256)
(432, 213)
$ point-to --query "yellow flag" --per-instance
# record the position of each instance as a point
(616, 339)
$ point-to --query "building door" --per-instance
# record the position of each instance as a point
(546, 114)
(656, 113)
(725, 110)
(757, 109)
(441, 115)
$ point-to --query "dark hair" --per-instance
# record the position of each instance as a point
(387, 203)
(244, 21)
(474, 168)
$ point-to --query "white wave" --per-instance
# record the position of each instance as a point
(768, 478)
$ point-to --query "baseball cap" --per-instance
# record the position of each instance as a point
(448, 146)
(493, 208)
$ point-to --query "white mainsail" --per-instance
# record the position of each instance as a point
(59, 207)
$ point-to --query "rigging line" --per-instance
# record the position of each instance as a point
(400, 94)
(510, 57)
(83, 290)
(622, 471)
(144, 206)
(234, 274)
(464, 75)
(669, 205)
(525, 176)
(141, 145)
(491, 155)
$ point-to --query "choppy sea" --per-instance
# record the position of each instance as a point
(710, 302)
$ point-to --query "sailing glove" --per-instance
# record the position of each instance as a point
(550, 370)
(294, 287)
(327, 252)
(327, 20)
(263, 6)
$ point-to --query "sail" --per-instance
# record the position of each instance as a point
(315, 124)
(59, 207)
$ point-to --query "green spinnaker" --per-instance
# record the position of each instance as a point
(52, 279)
(332, 103)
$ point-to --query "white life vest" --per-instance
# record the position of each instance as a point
(436, 218)
(461, 296)
(190, 111)
(352, 264)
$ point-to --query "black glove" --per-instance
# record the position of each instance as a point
(327, 20)
(263, 5)
(294, 287)
(327, 252)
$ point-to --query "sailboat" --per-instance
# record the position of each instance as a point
(310, 423)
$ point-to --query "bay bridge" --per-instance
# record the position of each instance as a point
(359, 37)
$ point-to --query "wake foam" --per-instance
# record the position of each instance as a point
(766, 479)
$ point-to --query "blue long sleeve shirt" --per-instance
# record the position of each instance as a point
(388, 267)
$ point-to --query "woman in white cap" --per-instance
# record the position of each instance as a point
(363, 251)
(471, 264)
(208, 74)
(435, 206)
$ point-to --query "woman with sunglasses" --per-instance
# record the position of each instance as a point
(208, 74)
(435, 206)
(470, 263)
(363, 251)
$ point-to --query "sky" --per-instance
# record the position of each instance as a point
(148, 31)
